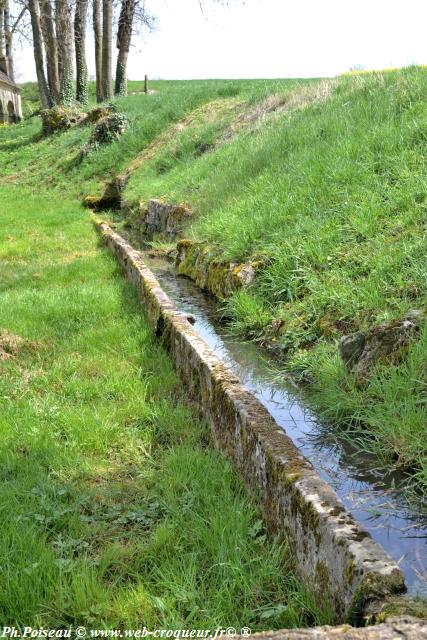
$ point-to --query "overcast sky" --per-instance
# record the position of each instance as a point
(272, 39)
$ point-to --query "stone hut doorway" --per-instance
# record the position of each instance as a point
(10, 94)
(11, 112)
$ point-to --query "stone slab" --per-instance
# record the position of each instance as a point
(393, 629)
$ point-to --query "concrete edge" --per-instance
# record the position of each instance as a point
(400, 628)
(335, 554)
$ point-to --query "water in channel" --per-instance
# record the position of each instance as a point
(375, 496)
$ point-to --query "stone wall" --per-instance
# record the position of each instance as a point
(162, 218)
(335, 555)
(8, 95)
(210, 271)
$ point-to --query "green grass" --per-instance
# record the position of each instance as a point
(333, 199)
(116, 510)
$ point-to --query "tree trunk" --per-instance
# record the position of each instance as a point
(8, 39)
(33, 6)
(51, 48)
(98, 48)
(107, 36)
(80, 46)
(124, 36)
(1, 29)
(64, 36)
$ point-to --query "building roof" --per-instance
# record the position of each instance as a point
(6, 80)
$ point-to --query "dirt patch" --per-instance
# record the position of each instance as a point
(72, 256)
(201, 115)
(11, 345)
(253, 115)
(10, 178)
(246, 115)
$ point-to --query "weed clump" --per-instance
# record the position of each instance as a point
(97, 113)
(60, 119)
(108, 129)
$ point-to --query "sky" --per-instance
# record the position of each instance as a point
(270, 39)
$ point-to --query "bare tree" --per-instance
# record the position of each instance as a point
(2, 43)
(6, 38)
(12, 24)
(107, 56)
(133, 18)
(97, 32)
(124, 36)
(34, 8)
(64, 36)
(80, 47)
(51, 48)
(2, 38)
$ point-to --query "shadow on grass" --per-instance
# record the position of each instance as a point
(19, 144)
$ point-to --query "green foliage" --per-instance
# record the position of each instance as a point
(82, 89)
(30, 98)
(120, 88)
(247, 314)
(67, 88)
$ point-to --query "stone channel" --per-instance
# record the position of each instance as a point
(374, 495)
(334, 553)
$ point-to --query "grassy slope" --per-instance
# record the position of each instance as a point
(115, 512)
(334, 198)
(54, 163)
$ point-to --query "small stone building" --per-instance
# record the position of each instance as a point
(10, 96)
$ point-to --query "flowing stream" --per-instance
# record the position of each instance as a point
(375, 496)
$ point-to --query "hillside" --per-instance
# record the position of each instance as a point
(323, 184)
(330, 197)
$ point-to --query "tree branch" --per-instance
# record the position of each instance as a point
(19, 18)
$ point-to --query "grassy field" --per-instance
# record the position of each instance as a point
(116, 512)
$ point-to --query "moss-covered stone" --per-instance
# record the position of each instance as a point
(97, 113)
(111, 198)
(60, 118)
(398, 606)
(371, 593)
(203, 264)
(387, 342)
(163, 220)
(92, 202)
